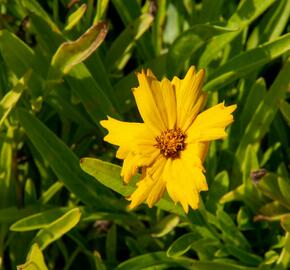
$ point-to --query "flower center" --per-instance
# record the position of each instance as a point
(171, 142)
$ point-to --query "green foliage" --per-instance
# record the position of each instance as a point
(66, 65)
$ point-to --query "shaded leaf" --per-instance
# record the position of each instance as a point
(71, 53)
(57, 228)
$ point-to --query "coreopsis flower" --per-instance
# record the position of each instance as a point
(171, 145)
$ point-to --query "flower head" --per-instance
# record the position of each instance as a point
(171, 145)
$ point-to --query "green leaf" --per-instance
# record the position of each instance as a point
(34, 7)
(160, 258)
(189, 42)
(272, 24)
(182, 244)
(153, 260)
(18, 56)
(165, 226)
(210, 12)
(255, 95)
(111, 243)
(52, 38)
(264, 114)
(12, 214)
(121, 49)
(75, 17)
(34, 261)
(231, 233)
(285, 110)
(247, 62)
(109, 175)
(57, 228)
(218, 188)
(62, 160)
(71, 53)
(247, 12)
(243, 256)
(7, 180)
(38, 221)
(50, 192)
(94, 99)
(102, 6)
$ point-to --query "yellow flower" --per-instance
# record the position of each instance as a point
(171, 145)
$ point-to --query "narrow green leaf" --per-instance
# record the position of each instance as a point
(255, 95)
(34, 7)
(120, 51)
(272, 24)
(231, 233)
(243, 256)
(160, 258)
(265, 112)
(247, 12)
(52, 38)
(182, 244)
(270, 187)
(64, 163)
(50, 192)
(18, 56)
(165, 226)
(189, 42)
(75, 17)
(58, 228)
(285, 110)
(102, 6)
(247, 62)
(7, 181)
(94, 99)
(153, 260)
(71, 53)
(111, 243)
(157, 27)
(128, 14)
(210, 12)
(38, 221)
(30, 196)
(34, 261)
(219, 187)
(12, 214)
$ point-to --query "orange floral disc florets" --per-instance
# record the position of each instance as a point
(171, 142)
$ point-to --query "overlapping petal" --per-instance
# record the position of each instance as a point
(135, 141)
(156, 102)
(189, 97)
(151, 187)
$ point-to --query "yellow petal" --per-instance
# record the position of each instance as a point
(124, 133)
(169, 101)
(189, 97)
(139, 156)
(129, 168)
(141, 193)
(146, 102)
(183, 183)
(151, 187)
(156, 192)
(194, 154)
(210, 124)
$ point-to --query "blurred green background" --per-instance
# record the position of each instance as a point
(65, 65)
